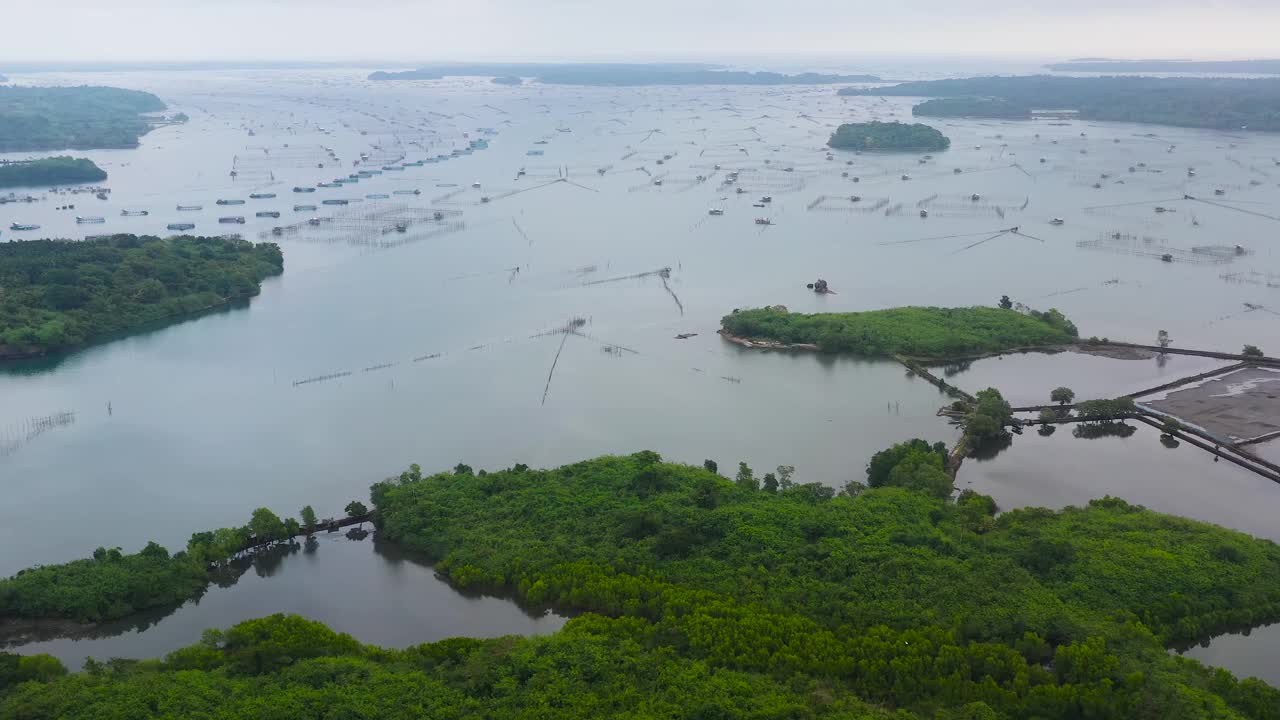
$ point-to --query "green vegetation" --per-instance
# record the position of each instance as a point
(1105, 411)
(1062, 395)
(922, 332)
(1257, 67)
(986, 421)
(113, 585)
(882, 136)
(1187, 102)
(62, 170)
(59, 295)
(1252, 351)
(53, 118)
(703, 597)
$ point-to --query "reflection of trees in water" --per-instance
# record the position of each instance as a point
(956, 367)
(991, 447)
(1093, 431)
(1046, 430)
(1169, 441)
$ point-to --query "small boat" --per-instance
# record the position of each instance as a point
(402, 227)
(406, 192)
(924, 213)
(1057, 221)
(134, 213)
(313, 221)
(261, 196)
(18, 227)
(906, 176)
(975, 197)
(475, 185)
(392, 168)
(438, 215)
(234, 220)
(377, 196)
(267, 213)
(763, 221)
(715, 211)
(101, 196)
(334, 202)
(300, 189)
(1219, 191)
(189, 208)
(766, 199)
(304, 208)
(180, 226)
(535, 153)
(855, 198)
(759, 205)
(230, 202)
(90, 220)
(658, 182)
(331, 185)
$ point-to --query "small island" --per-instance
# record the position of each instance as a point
(888, 137)
(61, 170)
(507, 80)
(60, 295)
(85, 117)
(924, 333)
(1219, 103)
(1105, 65)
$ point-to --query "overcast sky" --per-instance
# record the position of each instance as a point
(734, 30)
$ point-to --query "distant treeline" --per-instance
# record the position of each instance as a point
(60, 294)
(52, 118)
(1221, 103)
(622, 74)
(1260, 67)
(62, 170)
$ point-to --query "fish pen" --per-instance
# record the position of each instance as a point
(15, 435)
(1146, 246)
(1252, 277)
(383, 227)
(847, 204)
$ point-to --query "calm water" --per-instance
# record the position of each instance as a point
(375, 592)
(206, 422)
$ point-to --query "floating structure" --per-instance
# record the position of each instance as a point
(189, 208)
(180, 226)
(135, 213)
(233, 220)
(90, 220)
(230, 202)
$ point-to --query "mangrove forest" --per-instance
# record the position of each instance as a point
(61, 170)
(888, 136)
(919, 332)
(61, 294)
(85, 117)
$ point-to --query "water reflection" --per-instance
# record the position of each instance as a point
(376, 591)
(1251, 653)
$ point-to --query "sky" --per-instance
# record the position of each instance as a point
(735, 31)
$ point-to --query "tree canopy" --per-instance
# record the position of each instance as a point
(61, 294)
(61, 170)
(923, 332)
(54, 118)
(886, 136)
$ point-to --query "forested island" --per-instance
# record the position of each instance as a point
(760, 596)
(1221, 103)
(61, 294)
(918, 332)
(61, 170)
(85, 117)
(1255, 67)
(887, 137)
(621, 74)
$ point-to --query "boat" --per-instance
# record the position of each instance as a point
(234, 220)
(763, 221)
(101, 196)
(406, 192)
(18, 227)
(134, 213)
(267, 213)
(89, 220)
(313, 221)
(715, 211)
(766, 199)
(334, 202)
(759, 205)
(1057, 221)
(475, 185)
(975, 197)
(300, 189)
(906, 177)
(188, 208)
(658, 182)
(230, 202)
(438, 215)
(261, 196)
(402, 227)
(376, 196)
(855, 198)
(535, 153)
(304, 208)
(924, 213)
(180, 226)
(392, 168)
(484, 199)
(331, 185)
(1219, 191)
